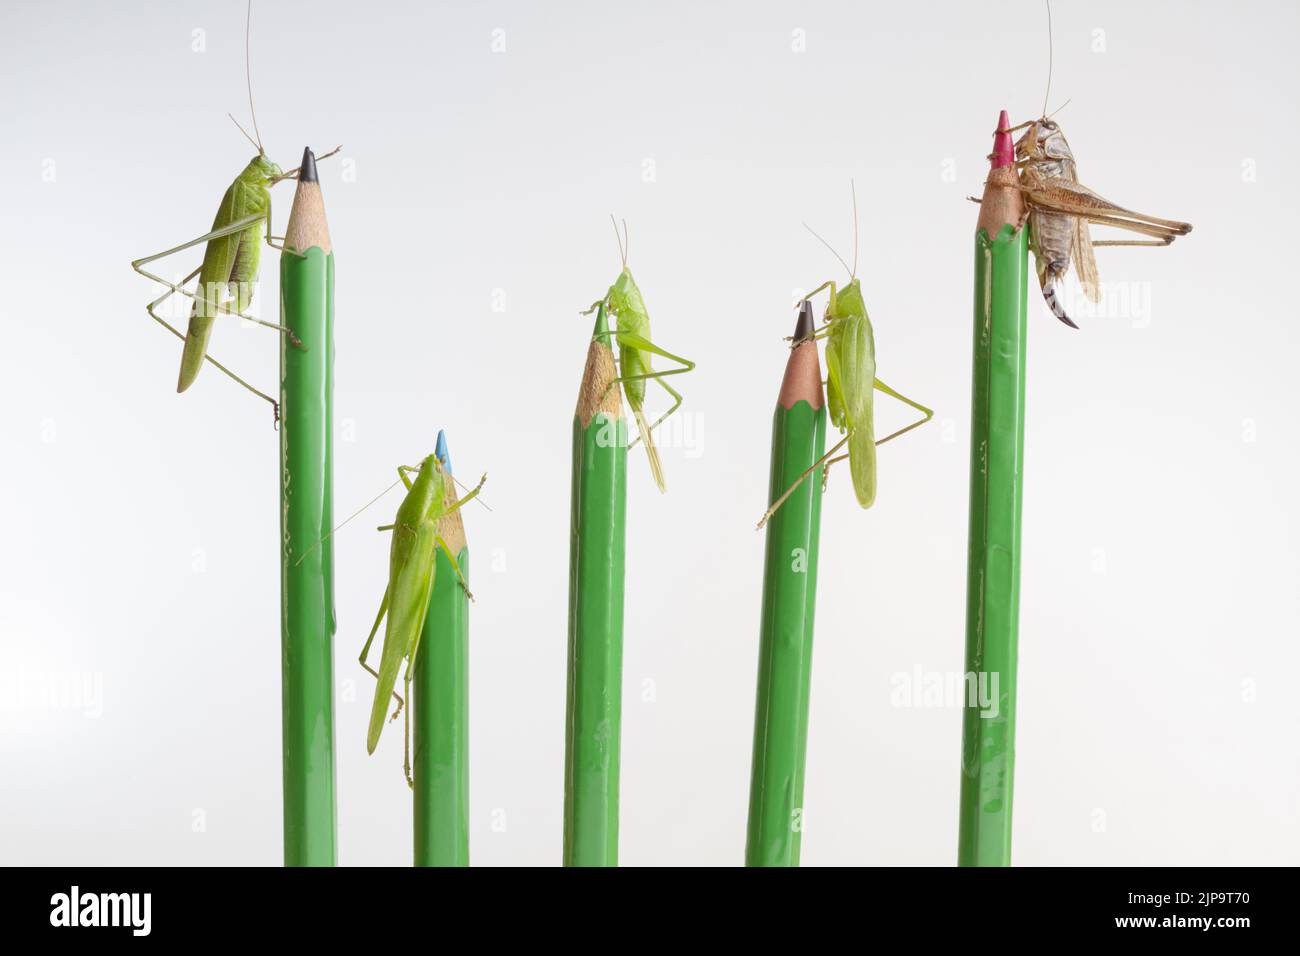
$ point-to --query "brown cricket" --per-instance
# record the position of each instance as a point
(1061, 209)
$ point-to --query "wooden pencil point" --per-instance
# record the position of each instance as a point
(803, 377)
(1002, 203)
(307, 225)
(597, 393)
(451, 525)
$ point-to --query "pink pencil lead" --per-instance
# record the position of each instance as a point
(1004, 150)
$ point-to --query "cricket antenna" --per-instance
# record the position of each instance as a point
(831, 248)
(1059, 108)
(248, 74)
(1048, 95)
(854, 189)
(245, 132)
(621, 240)
(340, 525)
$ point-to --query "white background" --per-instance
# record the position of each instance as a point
(1159, 620)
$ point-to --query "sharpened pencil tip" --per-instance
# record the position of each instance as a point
(307, 171)
(440, 452)
(1004, 150)
(803, 326)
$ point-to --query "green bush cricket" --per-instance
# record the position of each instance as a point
(228, 273)
(632, 334)
(411, 570)
(851, 383)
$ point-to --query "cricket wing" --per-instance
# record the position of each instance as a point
(835, 383)
(862, 464)
(218, 261)
(409, 586)
(857, 362)
(1084, 260)
(246, 255)
(857, 367)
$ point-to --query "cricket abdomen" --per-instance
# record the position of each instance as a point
(1053, 236)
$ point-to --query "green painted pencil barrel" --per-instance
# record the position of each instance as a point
(441, 719)
(306, 558)
(595, 679)
(785, 643)
(993, 565)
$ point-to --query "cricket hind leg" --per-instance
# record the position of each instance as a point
(406, 728)
(406, 723)
(275, 406)
(173, 288)
(1161, 236)
(365, 653)
(676, 395)
(1131, 242)
(645, 345)
(677, 402)
(237, 226)
(220, 309)
(927, 414)
(824, 459)
(411, 658)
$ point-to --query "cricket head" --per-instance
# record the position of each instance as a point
(261, 172)
(848, 301)
(1043, 140)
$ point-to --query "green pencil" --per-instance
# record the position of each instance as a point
(996, 475)
(789, 593)
(306, 517)
(441, 715)
(595, 664)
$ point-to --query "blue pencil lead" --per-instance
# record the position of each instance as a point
(440, 451)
